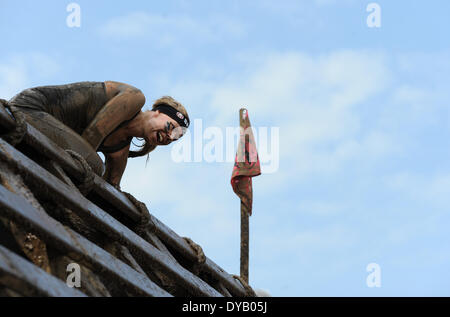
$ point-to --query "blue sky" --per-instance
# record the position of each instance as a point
(362, 113)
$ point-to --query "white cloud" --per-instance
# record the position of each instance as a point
(262, 293)
(314, 101)
(302, 245)
(290, 6)
(297, 84)
(331, 110)
(171, 30)
(431, 189)
(22, 70)
(183, 193)
(334, 2)
(417, 104)
(13, 77)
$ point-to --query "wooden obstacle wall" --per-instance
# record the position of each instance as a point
(46, 223)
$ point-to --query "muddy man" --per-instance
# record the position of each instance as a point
(87, 117)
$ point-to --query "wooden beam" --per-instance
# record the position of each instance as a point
(102, 221)
(66, 240)
(223, 290)
(175, 241)
(153, 239)
(17, 271)
(51, 150)
(6, 120)
(41, 143)
(245, 240)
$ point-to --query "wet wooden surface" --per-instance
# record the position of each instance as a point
(21, 274)
(162, 234)
(66, 240)
(39, 142)
(102, 221)
(7, 123)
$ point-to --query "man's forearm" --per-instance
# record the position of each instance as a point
(115, 166)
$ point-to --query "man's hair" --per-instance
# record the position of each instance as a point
(146, 148)
(169, 101)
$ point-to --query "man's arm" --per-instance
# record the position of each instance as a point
(115, 166)
(124, 102)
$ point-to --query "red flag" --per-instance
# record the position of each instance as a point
(246, 163)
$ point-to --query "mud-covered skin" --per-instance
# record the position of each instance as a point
(93, 110)
(107, 115)
(62, 113)
(150, 125)
(123, 102)
(75, 105)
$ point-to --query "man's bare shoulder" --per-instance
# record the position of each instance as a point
(114, 87)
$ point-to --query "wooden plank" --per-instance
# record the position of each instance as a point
(21, 271)
(223, 290)
(115, 198)
(48, 148)
(171, 238)
(102, 221)
(6, 121)
(124, 253)
(51, 150)
(127, 255)
(66, 240)
(54, 168)
(152, 238)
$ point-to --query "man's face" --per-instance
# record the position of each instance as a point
(165, 131)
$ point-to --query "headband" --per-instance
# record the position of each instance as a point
(182, 120)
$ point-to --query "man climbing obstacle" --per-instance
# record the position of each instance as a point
(86, 117)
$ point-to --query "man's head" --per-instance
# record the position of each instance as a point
(170, 121)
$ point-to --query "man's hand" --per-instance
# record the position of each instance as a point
(115, 166)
